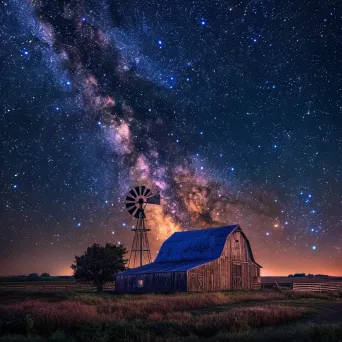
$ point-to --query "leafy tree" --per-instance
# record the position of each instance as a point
(33, 276)
(99, 264)
(45, 275)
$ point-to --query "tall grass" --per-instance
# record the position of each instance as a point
(179, 325)
(45, 317)
(150, 317)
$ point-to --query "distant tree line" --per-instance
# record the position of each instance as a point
(34, 277)
(308, 275)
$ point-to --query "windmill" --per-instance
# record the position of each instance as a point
(136, 202)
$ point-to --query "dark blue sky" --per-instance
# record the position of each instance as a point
(231, 110)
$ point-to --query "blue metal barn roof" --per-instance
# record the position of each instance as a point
(183, 251)
(195, 244)
(160, 267)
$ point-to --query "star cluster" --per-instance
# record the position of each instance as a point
(230, 110)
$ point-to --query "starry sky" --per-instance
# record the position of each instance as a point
(230, 109)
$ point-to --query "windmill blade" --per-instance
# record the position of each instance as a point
(134, 195)
(154, 200)
(145, 195)
(129, 198)
(130, 205)
(131, 211)
(148, 193)
(137, 190)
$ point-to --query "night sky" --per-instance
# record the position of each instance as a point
(232, 110)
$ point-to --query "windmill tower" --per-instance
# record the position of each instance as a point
(136, 202)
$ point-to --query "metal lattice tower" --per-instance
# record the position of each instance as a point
(136, 202)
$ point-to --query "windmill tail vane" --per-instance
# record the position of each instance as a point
(136, 201)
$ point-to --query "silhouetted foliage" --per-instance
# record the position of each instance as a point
(45, 275)
(99, 264)
(33, 276)
(309, 275)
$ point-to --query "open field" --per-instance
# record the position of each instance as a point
(51, 285)
(229, 316)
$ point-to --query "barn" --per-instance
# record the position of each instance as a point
(212, 259)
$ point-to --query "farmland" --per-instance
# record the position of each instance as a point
(59, 285)
(228, 316)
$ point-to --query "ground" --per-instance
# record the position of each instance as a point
(230, 316)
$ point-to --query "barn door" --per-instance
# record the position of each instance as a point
(237, 276)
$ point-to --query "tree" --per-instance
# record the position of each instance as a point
(299, 275)
(45, 275)
(99, 264)
(33, 276)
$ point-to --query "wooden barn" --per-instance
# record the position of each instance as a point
(194, 261)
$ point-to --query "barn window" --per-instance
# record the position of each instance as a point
(140, 283)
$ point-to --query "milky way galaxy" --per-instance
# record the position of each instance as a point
(231, 110)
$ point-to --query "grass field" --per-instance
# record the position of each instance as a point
(51, 285)
(229, 316)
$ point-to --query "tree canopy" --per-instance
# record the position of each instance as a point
(33, 276)
(99, 264)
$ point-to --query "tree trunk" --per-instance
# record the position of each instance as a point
(99, 287)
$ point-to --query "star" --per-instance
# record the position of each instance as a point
(97, 100)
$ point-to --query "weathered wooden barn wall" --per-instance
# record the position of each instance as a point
(212, 276)
(235, 269)
(152, 282)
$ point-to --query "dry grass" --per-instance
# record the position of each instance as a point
(45, 317)
(237, 318)
(137, 307)
(150, 316)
